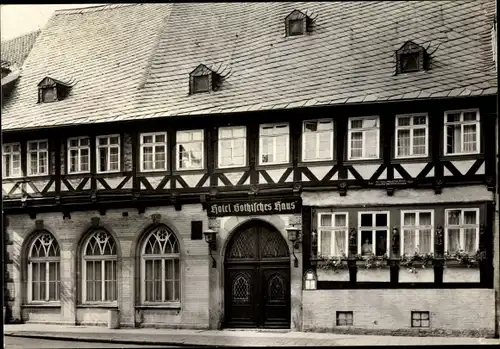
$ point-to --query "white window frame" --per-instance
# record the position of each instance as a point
(462, 123)
(351, 130)
(102, 259)
(417, 227)
(153, 145)
(287, 146)
(317, 134)
(374, 229)
(47, 260)
(412, 128)
(331, 229)
(18, 172)
(166, 256)
(178, 149)
(37, 151)
(79, 148)
(461, 227)
(232, 139)
(108, 146)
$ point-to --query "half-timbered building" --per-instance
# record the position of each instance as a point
(338, 158)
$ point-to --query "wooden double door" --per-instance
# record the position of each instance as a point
(257, 278)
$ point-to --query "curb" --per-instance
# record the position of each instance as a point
(63, 337)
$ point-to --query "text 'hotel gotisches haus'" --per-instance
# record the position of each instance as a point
(323, 166)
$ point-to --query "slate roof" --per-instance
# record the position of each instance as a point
(129, 70)
(15, 51)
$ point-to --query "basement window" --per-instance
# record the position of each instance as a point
(420, 319)
(345, 318)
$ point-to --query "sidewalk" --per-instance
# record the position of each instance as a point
(223, 338)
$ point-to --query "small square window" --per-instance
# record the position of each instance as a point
(410, 62)
(344, 318)
(200, 83)
(296, 27)
(48, 95)
(420, 319)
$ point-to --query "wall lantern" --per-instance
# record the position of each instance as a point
(310, 280)
(211, 239)
(295, 238)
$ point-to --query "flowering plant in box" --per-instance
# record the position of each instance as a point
(411, 261)
(466, 259)
(372, 260)
(334, 263)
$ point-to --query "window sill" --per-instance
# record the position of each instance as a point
(271, 166)
(317, 163)
(448, 157)
(232, 169)
(42, 305)
(175, 306)
(144, 173)
(408, 159)
(189, 171)
(363, 161)
(98, 305)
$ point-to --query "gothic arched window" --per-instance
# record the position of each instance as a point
(99, 268)
(43, 269)
(160, 267)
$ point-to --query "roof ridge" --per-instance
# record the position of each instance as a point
(72, 11)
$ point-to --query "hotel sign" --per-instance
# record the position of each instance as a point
(255, 207)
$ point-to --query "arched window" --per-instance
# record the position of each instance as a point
(99, 268)
(160, 267)
(43, 269)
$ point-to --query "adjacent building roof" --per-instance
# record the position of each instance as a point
(15, 51)
(133, 61)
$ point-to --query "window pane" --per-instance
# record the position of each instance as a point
(470, 138)
(454, 217)
(419, 120)
(425, 218)
(325, 145)
(147, 139)
(470, 116)
(403, 142)
(160, 138)
(404, 121)
(453, 117)
(357, 123)
(310, 126)
(103, 141)
(326, 220)
(114, 140)
(409, 219)
(371, 144)
(103, 159)
(381, 247)
(84, 142)
(381, 219)
(340, 242)
(454, 139)
(409, 241)
(367, 242)
(340, 220)
(424, 244)
(33, 163)
(43, 282)
(326, 241)
(470, 240)
(366, 219)
(73, 142)
(309, 145)
(356, 145)
(84, 158)
(419, 141)
(470, 217)
(453, 240)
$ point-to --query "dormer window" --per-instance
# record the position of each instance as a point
(203, 79)
(411, 58)
(51, 90)
(297, 23)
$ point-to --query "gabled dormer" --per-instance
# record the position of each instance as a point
(297, 23)
(411, 57)
(203, 79)
(5, 68)
(51, 90)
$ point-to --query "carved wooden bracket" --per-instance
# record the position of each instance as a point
(390, 191)
(343, 188)
(95, 221)
(141, 209)
(353, 242)
(102, 211)
(439, 241)
(32, 214)
(438, 186)
(314, 244)
(297, 187)
(156, 217)
(66, 214)
(39, 224)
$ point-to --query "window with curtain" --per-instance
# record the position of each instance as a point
(153, 151)
(232, 146)
(317, 140)
(38, 154)
(99, 268)
(332, 234)
(411, 135)
(373, 233)
(363, 138)
(78, 154)
(417, 232)
(462, 230)
(274, 144)
(108, 153)
(462, 132)
(190, 150)
(160, 267)
(11, 160)
(44, 269)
